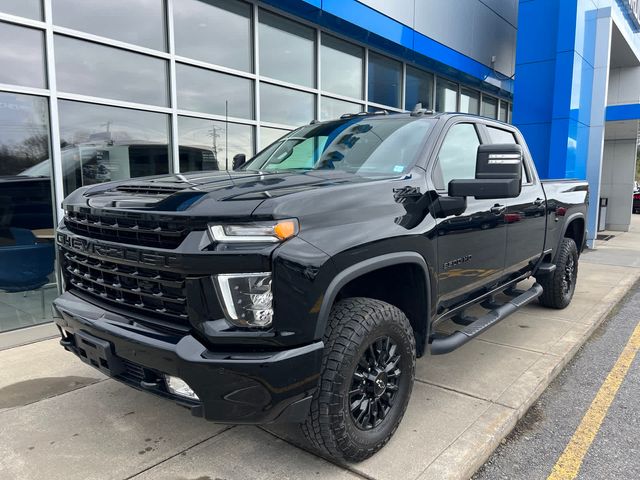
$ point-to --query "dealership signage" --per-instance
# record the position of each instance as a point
(633, 9)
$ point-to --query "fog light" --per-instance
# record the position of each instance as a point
(179, 387)
(247, 298)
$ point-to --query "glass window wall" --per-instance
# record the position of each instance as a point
(212, 92)
(285, 105)
(503, 111)
(23, 8)
(92, 69)
(101, 144)
(141, 22)
(342, 67)
(331, 108)
(22, 56)
(215, 31)
(489, 106)
(211, 144)
(469, 101)
(446, 96)
(385, 80)
(27, 279)
(287, 50)
(419, 89)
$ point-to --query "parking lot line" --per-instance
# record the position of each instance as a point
(568, 465)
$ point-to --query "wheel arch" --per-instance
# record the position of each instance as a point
(574, 228)
(416, 305)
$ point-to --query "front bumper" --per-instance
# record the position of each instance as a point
(247, 387)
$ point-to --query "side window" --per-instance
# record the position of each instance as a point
(497, 135)
(457, 157)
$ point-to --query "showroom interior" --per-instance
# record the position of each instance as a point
(94, 91)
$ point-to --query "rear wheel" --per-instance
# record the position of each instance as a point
(366, 380)
(559, 287)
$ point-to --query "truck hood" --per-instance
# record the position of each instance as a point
(212, 193)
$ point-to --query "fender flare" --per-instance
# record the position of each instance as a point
(565, 227)
(369, 265)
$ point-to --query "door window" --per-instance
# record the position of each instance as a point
(497, 135)
(457, 157)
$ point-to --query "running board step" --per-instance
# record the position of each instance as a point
(457, 339)
(546, 269)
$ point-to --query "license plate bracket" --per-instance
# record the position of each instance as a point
(98, 353)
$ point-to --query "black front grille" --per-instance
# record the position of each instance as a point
(146, 290)
(150, 233)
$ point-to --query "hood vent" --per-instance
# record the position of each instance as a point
(149, 189)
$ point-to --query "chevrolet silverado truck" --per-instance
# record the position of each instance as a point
(302, 285)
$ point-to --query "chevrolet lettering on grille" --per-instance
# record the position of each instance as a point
(91, 247)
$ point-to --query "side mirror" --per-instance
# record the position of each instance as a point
(498, 173)
(238, 160)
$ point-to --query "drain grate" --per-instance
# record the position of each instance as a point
(605, 237)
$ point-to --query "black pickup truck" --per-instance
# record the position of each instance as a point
(301, 286)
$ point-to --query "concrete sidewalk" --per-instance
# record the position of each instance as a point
(62, 420)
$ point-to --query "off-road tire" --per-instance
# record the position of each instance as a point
(354, 324)
(554, 292)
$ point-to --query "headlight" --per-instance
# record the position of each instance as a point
(273, 231)
(246, 298)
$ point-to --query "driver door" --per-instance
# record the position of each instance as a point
(471, 246)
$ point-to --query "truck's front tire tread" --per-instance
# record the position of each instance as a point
(553, 294)
(353, 322)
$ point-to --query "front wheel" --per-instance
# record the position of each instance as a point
(366, 380)
(559, 287)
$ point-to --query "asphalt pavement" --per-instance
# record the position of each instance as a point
(540, 437)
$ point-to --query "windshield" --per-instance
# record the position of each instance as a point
(361, 145)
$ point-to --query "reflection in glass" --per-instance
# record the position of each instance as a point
(206, 91)
(342, 67)
(446, 96)
(385, 80)
(286, 49)
(457, 156)
(140, 22)
(286, 106)
(101, 143)
(469, 101)
(22, 8)
(206, 145)
(22, 56)
(503, 111)
(331, 108)
(363, 146)
(91, 69)
(419, 89)
(270, 135)
(215, 31)
(489, 106)
(27, 280)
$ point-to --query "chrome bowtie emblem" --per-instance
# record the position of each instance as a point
(379, 383)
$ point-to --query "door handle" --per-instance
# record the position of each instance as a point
(498, 209)
(538, 201)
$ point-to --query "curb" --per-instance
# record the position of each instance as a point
(476, 444)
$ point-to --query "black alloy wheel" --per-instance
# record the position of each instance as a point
(375, 383)
(569, 277)
(365, 383)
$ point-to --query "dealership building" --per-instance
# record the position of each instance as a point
(94, 90)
